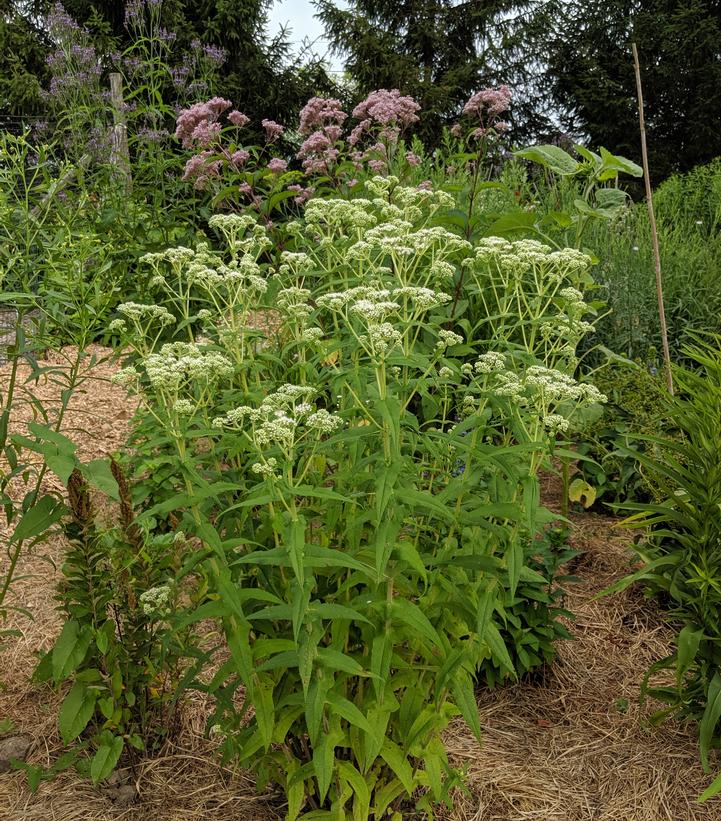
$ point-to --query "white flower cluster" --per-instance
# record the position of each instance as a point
(312, 335)
(374, 310)
(490, 362)
(408, 197)
(140, 313)
(155, 602)
(555, 423)
(235, 230)
(447, 339)
(295, 263)
(522, 255)
(337, 215)
(279, 416)
(267, 468)
(125, 377)
(383, 338)
(180, 363)
(543, 387)
(422, 299)
(441, 271)
(294, 303)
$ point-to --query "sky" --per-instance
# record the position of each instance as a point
(298, 14)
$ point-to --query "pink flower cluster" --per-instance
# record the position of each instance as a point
(198, 126)
(304, 194)
(319, 113)
(387, 108)
(200, 168)
(489, 102)
(320, 121)
(273, 130)
(238, 118)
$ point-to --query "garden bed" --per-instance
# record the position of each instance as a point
(572, 744)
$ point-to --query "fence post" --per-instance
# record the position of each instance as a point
(120, 154)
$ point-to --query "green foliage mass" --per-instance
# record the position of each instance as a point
(590, 74)
(680, 552)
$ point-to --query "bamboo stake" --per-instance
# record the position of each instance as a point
(652, 220)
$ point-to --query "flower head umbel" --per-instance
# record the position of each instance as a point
(485, 108)
(282, 421)
(273, 130)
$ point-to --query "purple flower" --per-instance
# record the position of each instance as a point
(273, 130)
(200, 168)
(489, 102)
(198, 124)
(240, 157)
(215, 54)
(238, 118)
(319, 113)
(205, 133)
(277, 166)
(318, 153)
(387, 108)
(412, 159)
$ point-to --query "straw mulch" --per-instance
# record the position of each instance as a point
(563, 747)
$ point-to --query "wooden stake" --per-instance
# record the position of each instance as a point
(652, 220)
(120, 153)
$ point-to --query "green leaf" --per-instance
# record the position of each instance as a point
(323, 759)
(614, 164)
(465, 698)
(514, 562)
(70, 649)
(295, 546)
(38, 519)
(713, 789)
(105, 759)
(335, 660)
(76, 711)
(580, 491)
(411, 615)
(499, 651)
(396, 759)
(361, 790)
(687, 643)
(347, 710)
(510, 223)
(551, 157)
(264, 709)
(295, 791)
(384, 488)
(710, 718)
(337, 611)
(99, 475)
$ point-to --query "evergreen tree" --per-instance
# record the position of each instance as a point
(23, 46)
(260, 74)
(590, 76)
(437, 51)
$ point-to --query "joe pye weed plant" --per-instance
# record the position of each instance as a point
(361, 489)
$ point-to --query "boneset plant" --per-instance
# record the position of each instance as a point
(361, 486)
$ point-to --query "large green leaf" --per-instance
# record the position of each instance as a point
(38, 519)
(105, 759)
(552, 157)
(76, 711)
(70, 649)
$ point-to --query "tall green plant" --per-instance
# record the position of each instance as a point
(680, 554)
(364, 496)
